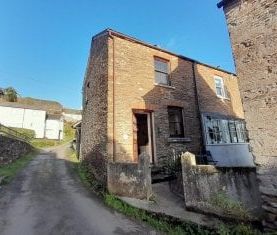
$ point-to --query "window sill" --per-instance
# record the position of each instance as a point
(165, 86)
(179, 140)
(223, 144)
(223, 98)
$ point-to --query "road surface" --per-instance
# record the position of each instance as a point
(47, 198)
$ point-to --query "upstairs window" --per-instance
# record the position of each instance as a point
(221, 90)
(175, 119)
(161, 71)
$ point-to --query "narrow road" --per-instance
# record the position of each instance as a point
(46, 198)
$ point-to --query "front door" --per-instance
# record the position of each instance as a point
(142, 134)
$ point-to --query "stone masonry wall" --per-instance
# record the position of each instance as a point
(94, 123)
(11, 149)
(206, 187)
(209, 101)
(253, 31)
(135, 88)
(129, 179)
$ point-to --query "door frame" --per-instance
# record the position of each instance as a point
(150, 125)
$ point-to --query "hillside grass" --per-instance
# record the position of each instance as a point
(9, 171)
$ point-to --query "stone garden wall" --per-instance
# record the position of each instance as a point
(11, 149)
(228, 192)
(130, 179)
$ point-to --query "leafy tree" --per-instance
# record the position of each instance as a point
(10, 94)
(1, 92)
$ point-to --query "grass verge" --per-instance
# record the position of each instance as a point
(164, 224)
(69, 133)
(9, 171)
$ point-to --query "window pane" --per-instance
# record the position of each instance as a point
(217, 131)
(225, 132)
(241, 132)
(161, 66)
(233, 132)
(175, 118)
(219, 87)
(161, 78)
(219, 91)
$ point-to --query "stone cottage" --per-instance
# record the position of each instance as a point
(139, 98)
(253, 31)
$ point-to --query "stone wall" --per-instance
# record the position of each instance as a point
(209, 102)
(94, 124)
(11, 149)
(130, 179)
(253, 31)
(132, 87)
(206, 187)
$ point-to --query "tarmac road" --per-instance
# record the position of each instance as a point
(47, 198)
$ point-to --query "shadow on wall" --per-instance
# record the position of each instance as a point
(128, 179)
(227, 192)
(182, 93)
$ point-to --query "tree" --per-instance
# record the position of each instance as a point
(1, 92)
(10, 94)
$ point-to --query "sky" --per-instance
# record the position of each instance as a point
(44, 44)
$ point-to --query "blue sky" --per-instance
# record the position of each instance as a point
(44, 44)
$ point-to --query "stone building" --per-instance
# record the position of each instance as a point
(139, 98)
(253, 31)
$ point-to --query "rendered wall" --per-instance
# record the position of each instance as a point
(204, 183)
(24, 118)
(253, 26)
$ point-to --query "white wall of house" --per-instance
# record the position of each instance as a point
(24, 118)
(32, 119)
(54, 129)
(72, 117)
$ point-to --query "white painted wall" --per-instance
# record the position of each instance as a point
(33, 120)
(54, 129)
(72, 117)
(24, 118)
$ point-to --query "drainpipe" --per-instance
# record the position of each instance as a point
(198, 107)
(111, 36)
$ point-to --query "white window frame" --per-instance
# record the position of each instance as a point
(223, 96)
(231, 141)
(167, 62)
